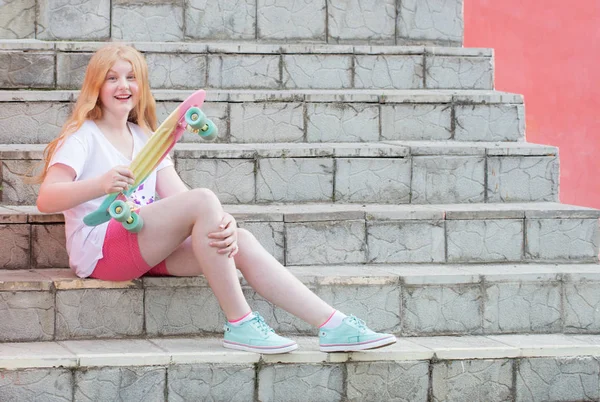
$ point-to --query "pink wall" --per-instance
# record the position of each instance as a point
(549, 51)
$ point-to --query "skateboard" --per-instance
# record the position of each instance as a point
(187, 116)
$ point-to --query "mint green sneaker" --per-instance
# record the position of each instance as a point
(256, 336)
(352, 335)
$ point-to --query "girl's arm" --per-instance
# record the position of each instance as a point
(169, 183)
(59, 190)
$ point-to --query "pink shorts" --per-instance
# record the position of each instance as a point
(122, 260)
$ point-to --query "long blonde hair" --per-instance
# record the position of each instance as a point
(88, 105)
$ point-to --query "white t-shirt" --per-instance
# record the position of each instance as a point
(90, 154)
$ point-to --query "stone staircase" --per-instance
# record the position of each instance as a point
(366, 149)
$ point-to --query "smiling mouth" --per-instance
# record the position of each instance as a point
(123, 97)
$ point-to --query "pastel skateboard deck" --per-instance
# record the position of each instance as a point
(186, 116)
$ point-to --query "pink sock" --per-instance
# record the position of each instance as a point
(334, 320)
(242, 320)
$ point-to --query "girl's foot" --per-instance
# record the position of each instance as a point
(352, 335)
(256, 336)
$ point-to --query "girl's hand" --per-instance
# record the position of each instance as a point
(226, 236)
(116, 180)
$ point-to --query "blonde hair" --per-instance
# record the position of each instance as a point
(88, 105)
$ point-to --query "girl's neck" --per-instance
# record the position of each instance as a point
(114, 124)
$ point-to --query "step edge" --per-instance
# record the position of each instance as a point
(166, 352)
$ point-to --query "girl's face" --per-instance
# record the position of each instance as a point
(119, 94)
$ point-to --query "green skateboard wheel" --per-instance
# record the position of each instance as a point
(195, 118)
(120, 211)
(209, 131)
(134, 224)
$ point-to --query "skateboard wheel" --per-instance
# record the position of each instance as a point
(120, 211)
(134, 223)
(195, 118)
(209, 131)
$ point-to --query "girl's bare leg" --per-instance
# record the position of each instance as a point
(167, 225)
(276, 284)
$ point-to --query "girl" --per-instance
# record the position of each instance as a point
(112, 119)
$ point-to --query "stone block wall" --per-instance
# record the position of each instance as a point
(385, 22)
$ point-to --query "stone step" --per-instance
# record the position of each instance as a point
(319, 21)
(476, 368)
(408, 300)
(62, 65)
(251, 116)
(390, 172)
(326, 234)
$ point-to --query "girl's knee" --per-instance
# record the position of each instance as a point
(201, 199)
(245, 237)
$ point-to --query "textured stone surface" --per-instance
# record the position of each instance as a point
(297, 19)
(468, 347)
(270, 235)
(472, 380)
(14, 246)
(562, 239)
(243, 71)
(26, 70)
(325, 242)
(459, 72)
(330, 122)
(485, 240)
(70, 70)
(223, 20)
(317, 71)
(14, 190)
(437, 21)
(359, 20)
(121, 383)
(489, 122)
(511, 179)
(232, 180)
(558, 379)
(379, 305)
(372, 180)
(405, 241)
(277, 318)
(171, 311)
(387, 381)
(450, 179)
(300, 382)
(37, 385)
(176, 71)
(31, 123)
(294, 179)
(211, 382)
(26, 316)
(582, 306)
(389, 72)
(114, 353)
(433, 310)
(88, 19)
(48, 246)
(99, 313)
(17, 19)
(522, 307)
(419, 122)
(139, 22)
(267, 122)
